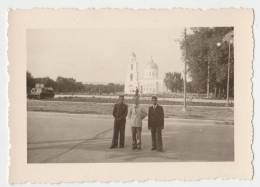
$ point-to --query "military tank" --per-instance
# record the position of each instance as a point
(41, 92)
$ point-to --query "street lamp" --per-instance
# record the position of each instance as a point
(228, 38)
(208, 75)
(208, 78)
(228, 81)
(185, 72)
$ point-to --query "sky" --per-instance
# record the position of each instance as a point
(101, 54)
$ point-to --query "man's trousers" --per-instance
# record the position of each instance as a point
(136, 136)
(119, 130)
(157, 138)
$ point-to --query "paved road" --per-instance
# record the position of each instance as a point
(71, 138)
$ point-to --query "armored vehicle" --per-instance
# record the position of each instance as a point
(41, 92)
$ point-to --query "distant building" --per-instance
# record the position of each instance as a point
(149, 84)
(132, 79)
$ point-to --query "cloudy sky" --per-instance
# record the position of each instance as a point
(99, 54)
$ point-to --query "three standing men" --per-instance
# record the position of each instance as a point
(136, 115)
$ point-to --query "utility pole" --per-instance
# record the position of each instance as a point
(228, 38)
(208, 79)
(185, 70)
(229, 45)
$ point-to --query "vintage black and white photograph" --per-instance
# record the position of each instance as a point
(105, 95)
(130, 95)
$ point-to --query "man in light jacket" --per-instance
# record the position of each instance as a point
(135, 115)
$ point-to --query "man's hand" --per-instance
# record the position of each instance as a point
(160, 127)
(118, 119)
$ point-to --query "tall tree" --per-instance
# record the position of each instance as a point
(207, 61)
(30, 82)
(173, 81)
(47, 81)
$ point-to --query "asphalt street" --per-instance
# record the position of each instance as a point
(85, 138)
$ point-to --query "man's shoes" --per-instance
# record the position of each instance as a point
(134, 147)
(113, 147)
(160, 150)
(121, 146)
(153, 149)
(138, 148)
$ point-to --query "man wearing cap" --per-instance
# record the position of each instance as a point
(156, 124)
(119, 113)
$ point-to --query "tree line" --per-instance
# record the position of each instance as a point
(206, 55)
(70, 85)
(174, 83)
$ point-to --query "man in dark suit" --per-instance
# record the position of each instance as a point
(156, 124)
(119, 113)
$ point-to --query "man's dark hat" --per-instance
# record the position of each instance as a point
(121, 95)
(154, 97)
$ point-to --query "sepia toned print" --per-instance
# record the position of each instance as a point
(119, 91)
(192, 78)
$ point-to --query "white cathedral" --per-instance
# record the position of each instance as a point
(149, 84)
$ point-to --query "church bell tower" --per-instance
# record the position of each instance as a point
(132, 79)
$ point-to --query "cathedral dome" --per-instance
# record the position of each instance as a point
(151, 70)
(151, 65)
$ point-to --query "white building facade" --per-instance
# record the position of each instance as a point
(149, 83)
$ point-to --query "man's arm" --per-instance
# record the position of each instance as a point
(149, 118)
(114, 111)
(144, 113)
(126, 111)
(162, 117)
(130, 113)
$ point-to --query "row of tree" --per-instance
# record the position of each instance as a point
(70, 85)
(206, 55)
(109, 88)
(174, 83)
